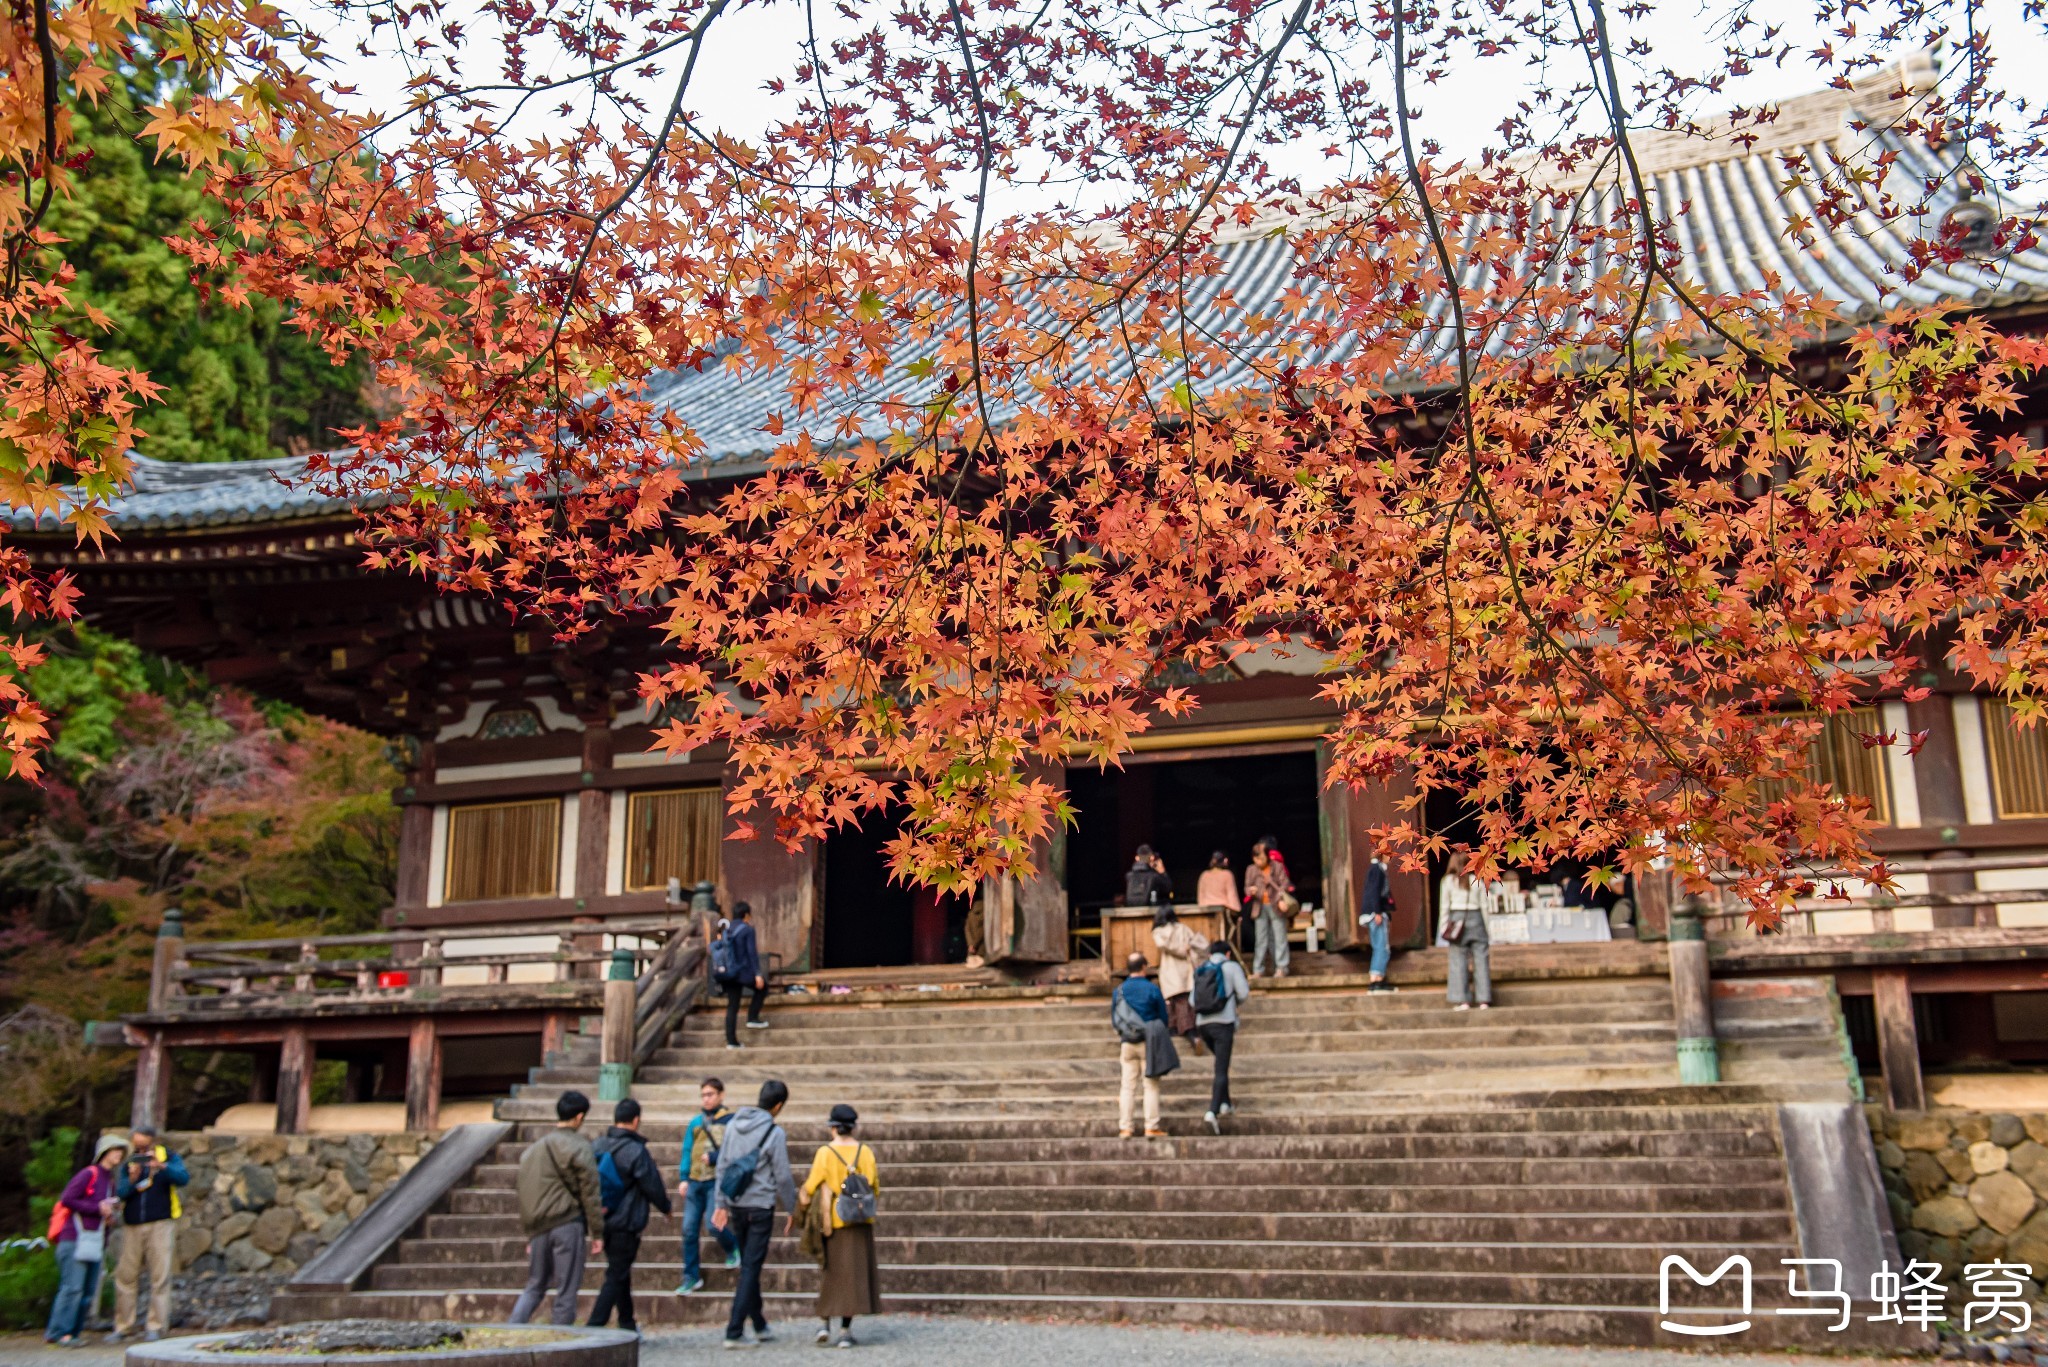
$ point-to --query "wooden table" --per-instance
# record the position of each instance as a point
(1125, 929)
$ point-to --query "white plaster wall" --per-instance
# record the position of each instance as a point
(1899, 768)
(615, 845)
(1975, 761)
(460, 976)
(437, 857)
(2018, 913)
(524, 768)
(565, 859)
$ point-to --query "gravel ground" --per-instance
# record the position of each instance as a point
(906, 1339)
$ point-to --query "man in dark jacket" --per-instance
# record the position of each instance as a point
(639, 1185)
(148, 1192)
(746, 972)
(1145, 882)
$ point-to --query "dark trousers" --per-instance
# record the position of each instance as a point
(753, 1228)
(621, 1247)
(554, 1259)
(1219, 1036)
(733, 988)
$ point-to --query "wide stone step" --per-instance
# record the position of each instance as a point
(1760, 1142)
(1618, 1225)
(660, 1262)
(1246, 1280)
(1244, 1199)
(1142, 1165)
(1619, 1325)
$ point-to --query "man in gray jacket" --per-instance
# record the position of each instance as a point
(560, 1211)
(752, 1178)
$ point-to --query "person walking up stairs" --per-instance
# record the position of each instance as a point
(628, 1182)
(1220, 988)
(560, 1210)
(753, 1179)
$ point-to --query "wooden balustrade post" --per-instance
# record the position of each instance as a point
(615, 1069)
(554, 1035)
(169, 955)
(302, 976)
(294, 1081)
(1692, 998)
(152, 1100)
(423, 1076)
(430, 955)
(1898, 1039)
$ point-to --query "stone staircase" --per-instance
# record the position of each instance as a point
(1395, 1167)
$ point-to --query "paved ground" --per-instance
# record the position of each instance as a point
(895, 1340)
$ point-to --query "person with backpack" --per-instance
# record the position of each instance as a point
(560, 1209)
(1180, 950)
(150, 1210)
(701, 1139)
(1134, 1008)
(843, 1175)
(78, 1231)
(1145, 882)
(628, 1183)
(1220, 988)
(736, 966)
(751, 1179)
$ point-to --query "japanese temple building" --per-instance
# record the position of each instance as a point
(532, 808)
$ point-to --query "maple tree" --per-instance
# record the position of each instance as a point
(1583, 538)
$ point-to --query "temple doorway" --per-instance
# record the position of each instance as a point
(870, 920)
(1186, 809)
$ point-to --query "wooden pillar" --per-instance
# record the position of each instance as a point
(554, 1034)
(423, 1076)
(615, 1068)
(1898, 1041)
(152, 1100)
(1938, 783)
(168, 953)
(1692, 1000)
(415, 835)
(593, 815)
(294, 1081)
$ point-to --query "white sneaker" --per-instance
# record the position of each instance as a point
(1209, 1118)
(1462, 1006)
(757, 1025)
(824, 1334)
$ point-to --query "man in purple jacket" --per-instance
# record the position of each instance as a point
(86, 1204)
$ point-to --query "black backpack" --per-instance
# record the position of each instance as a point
(1212, 991)
(1139, 884)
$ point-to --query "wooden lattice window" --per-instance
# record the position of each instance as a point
(1838, 758)
(673, 834)
(2019, 761)
(504, 849)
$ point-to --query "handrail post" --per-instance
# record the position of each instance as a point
(615, 1070)
(1692, 1000)
(168, 954)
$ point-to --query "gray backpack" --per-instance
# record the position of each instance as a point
(1124, 1019)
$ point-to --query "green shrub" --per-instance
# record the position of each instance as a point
(28, 1282)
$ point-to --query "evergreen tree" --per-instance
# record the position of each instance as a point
(239, 383)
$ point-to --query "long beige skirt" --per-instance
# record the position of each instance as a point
(851, 1283)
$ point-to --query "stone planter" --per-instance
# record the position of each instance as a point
(375, 1343)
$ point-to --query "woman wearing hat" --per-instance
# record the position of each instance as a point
(843, 1173)
(78, 1228)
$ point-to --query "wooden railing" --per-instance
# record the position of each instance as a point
(1731, 922)
(394, 968)
(673, 983)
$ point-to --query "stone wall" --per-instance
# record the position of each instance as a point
(1966, 1186)
(268, 1203)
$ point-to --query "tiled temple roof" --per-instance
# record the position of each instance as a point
(1728, 203)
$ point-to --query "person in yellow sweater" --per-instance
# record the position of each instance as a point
(851, 1283)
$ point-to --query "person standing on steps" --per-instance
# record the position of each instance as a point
(739, 971)
(561, 1211)
(752, 1178)
(1145, 882)
(1134, 1009)
(1220, 988)
(1464, 934)
(1180, 949)
(1216, 890)
(843, 1175)
(628, 1183)
(150, 1208)
(1269, 901)
(1376, 914)
(700, 1163)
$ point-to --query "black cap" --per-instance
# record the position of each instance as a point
(843, 1114)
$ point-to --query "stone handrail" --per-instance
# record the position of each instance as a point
(345, 1262)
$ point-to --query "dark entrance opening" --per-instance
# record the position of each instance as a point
(871, 921)
(1186, 810)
